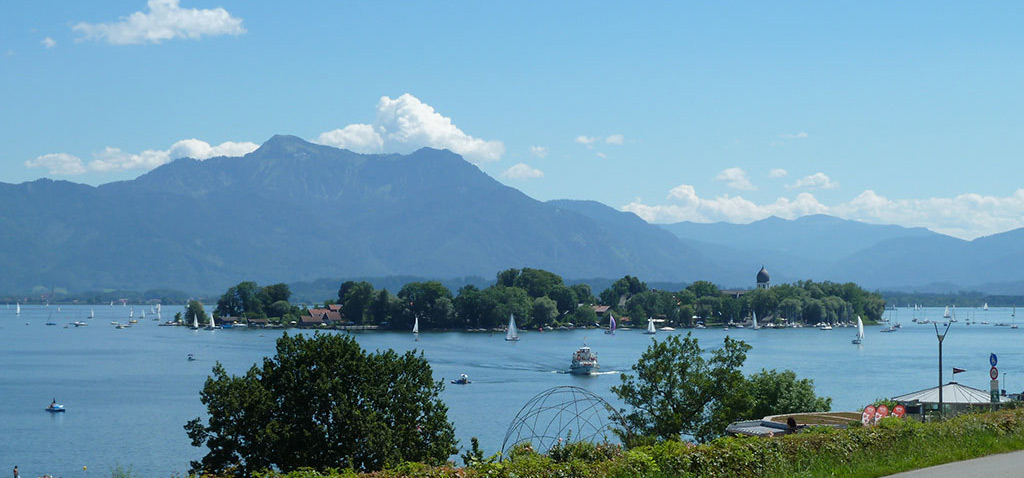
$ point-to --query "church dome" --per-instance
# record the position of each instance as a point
(762, 276)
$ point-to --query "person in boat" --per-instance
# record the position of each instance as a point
(53, 404)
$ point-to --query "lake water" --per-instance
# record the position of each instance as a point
(129, 392)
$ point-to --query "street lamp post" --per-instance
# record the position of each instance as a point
(941, 338)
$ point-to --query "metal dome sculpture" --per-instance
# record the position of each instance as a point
(563, 414)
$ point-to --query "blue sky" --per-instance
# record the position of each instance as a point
(886, 112)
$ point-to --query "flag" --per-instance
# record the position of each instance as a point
(957, 370)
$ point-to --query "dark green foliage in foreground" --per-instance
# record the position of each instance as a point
(678, 391)
(893, 446)
(323, 402)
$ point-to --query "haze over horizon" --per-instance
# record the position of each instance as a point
(887, 114)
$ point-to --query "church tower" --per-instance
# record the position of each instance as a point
(763, 281)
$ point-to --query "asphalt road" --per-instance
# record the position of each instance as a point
(1004, 464)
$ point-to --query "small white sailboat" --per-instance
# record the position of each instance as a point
(754, 314)
(416, 325)
(860, 332)
(611, 325)
(650, 327)
(985, 307)
(513, 333)
(92, 314)
(17, 308)
(945, 315)
(195, 322)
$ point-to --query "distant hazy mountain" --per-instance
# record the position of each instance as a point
(296, 211)
(293, 211)
(876, 256)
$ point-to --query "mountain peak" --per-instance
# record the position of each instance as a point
(287, 145)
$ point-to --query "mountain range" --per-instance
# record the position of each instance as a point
(294, 211)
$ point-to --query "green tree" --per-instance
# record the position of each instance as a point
(775, 393)
(536, 282)
(355, 298)
(676, 390)
(323, 402)
(275, 293)
(195, 309)
(703, 288)
(564, 297)
(242, 300)
(419, 299)
(544, 311)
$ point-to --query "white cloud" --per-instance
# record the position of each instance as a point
(602, 155)
(58, 164)
(736, 178)
(800, 135)
(589, 141)
(777, 173)
(538, 151)
(165, 20)
(815, 181)
(113, 159)
(966, 216)
(405, 124)
(49, 43)
(522, 171)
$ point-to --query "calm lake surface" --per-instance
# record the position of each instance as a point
(129, 392)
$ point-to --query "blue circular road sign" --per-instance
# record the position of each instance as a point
(992, 359)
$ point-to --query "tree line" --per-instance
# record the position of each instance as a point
(539, 298)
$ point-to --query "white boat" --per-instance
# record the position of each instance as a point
(985, 307)
(650, 327)
(513, 333)
(584, 362)
(92, 313)
(195, 322)
(860, 332)
(17, 308)
(462, 380)
(670, 329)
(611, 325)
(79, 323)
(825, 327)
(945, 315)
(754, 314)
(416, 325)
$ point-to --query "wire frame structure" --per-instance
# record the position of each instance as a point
(565, 413)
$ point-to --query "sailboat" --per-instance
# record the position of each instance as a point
(985, 307)
(755, 320)
(92, 313)
(416, 325)
(513, 332)
(17, 308)
(611, 325)
(945, 315)
(195, 322)
(650, 327)
(860, 332)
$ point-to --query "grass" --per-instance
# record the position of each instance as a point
(895, 445)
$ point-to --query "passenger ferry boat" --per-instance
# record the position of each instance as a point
(584, 362)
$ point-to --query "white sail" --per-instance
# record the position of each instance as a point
(513, 332)
(650, 327)
(755, 320)
(92, 313)
(945, 314)
(985, 307)
(416, 325)
(611, 325)
(860, 328)
(195, 321)
(17, 308)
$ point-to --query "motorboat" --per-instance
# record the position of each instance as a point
(55, 407)
(584, 362)
(79, 323)
(462, 380)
